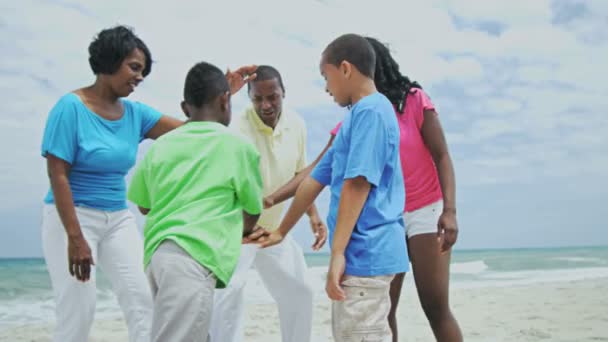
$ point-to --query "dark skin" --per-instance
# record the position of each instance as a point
(288, 190)
(103, 99)
(267, 99)
(430, 266)
(218, 111)
(347, 86)
(429, 253)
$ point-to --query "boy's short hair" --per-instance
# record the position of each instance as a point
(204, 83)
(111, 46)
(354, 49)
(265, 73)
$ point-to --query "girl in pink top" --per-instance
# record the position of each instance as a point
(430, 206)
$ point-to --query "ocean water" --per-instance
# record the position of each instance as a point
(26, 296)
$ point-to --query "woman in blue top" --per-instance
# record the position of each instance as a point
(90, 143)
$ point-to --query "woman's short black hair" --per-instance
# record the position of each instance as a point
(111, 46)
(204, 83)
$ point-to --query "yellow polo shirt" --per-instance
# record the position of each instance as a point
(282, 154)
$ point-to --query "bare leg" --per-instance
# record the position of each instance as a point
(432, 275)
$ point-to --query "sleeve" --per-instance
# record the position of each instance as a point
(322, 172)
(248, 180)
(149, 118)
(334, 131)
(60, 134)
(138, 192)
(302, 162)
(369, 143)
(420, 103)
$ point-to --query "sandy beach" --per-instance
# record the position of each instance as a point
(554, 311)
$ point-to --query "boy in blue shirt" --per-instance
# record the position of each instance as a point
(363, 171)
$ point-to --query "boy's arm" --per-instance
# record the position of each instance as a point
(248, 187)
(368, 152)
(249, 222)
(139, 192)
(306, 194)
(288, 190)
(352, 199)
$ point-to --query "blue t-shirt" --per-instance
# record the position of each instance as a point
(100, 151)
(367, 145)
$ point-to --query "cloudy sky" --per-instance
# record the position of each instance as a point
(520, 87)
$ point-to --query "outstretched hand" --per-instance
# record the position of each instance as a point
(255, 235)
(274, 238)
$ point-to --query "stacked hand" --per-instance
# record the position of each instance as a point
(258, 234)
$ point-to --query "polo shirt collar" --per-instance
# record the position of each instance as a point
(261, 126)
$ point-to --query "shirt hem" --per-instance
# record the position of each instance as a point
(367, 272)
(84, 205)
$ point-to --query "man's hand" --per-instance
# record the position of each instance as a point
(237, 79)
(274, 238)
(319, 230)
(334, 290)
(268, 202)
(447, 230)
(257, 233)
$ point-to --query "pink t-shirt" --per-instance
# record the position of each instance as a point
(419, 172)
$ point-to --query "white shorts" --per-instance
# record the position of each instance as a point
(423, 220)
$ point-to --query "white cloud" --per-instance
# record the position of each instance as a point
(514, 12)
(526, 105)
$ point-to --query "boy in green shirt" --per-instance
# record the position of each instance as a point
(201, 188)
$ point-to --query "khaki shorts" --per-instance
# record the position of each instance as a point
(363, 316)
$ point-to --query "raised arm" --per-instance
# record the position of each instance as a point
(248, 186)
(236, 80)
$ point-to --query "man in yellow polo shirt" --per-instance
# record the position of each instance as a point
(280, 138)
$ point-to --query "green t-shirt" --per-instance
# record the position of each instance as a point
(196, 181)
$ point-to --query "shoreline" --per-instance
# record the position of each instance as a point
(555, 311)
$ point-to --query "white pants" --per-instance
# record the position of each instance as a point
(183, 295)
(117, 249)
(283, 269)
